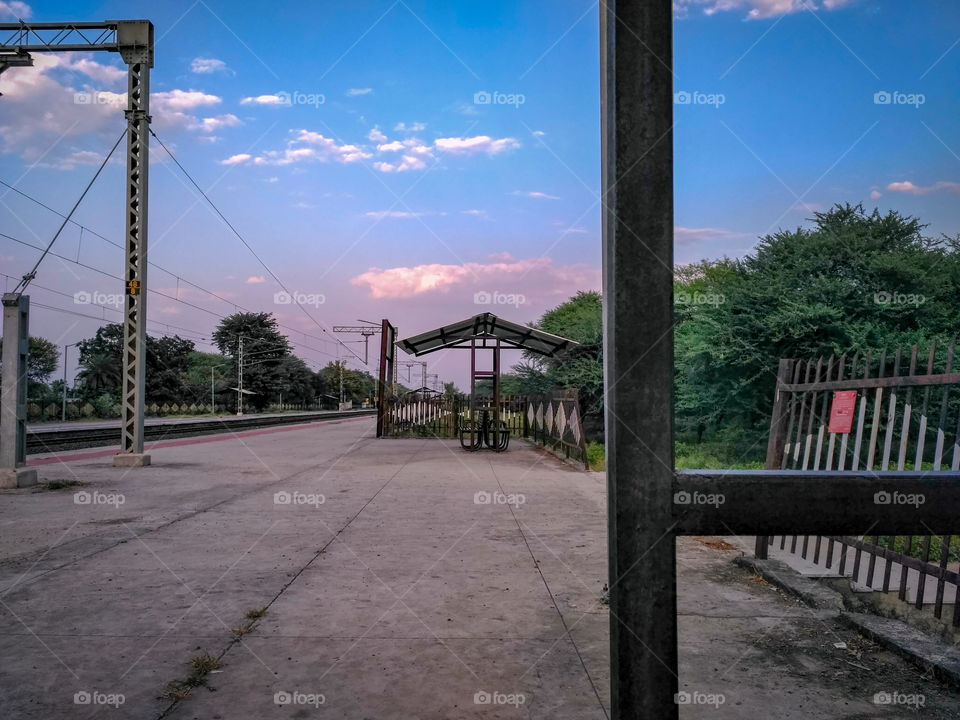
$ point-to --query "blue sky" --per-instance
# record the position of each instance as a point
(384, 188)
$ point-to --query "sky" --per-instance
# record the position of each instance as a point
(426, 161)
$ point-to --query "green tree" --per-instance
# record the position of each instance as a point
(580, 319)
(264, 346)
(853, 282)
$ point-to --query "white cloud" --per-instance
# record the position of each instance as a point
(475, 212)
(475, 145)
(178, 100)
(256, 280)
(304, 146)
(208, 66)
(756, 9)
(95, 70)
(909, 188)
(212, 124)
(534, 194)
(376, 136)
(406, 162)
(875, 194)
(271, 99)
(380, 214)
(237, 159)
(354, 92)
(42, 104)
(394, 146)
(412, 127)
(15, 10)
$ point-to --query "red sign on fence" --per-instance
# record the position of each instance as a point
(841, 411)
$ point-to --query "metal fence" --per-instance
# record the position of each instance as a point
(419, 415)
(891, 413)
(554, 420)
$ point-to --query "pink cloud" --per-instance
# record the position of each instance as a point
(256, 280)
(501, 273)
(911, 189)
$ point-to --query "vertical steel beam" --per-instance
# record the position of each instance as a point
(637, 156)
(135, 39)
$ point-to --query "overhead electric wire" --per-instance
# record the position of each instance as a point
(171, 273)
(25, 281)
(247, 245)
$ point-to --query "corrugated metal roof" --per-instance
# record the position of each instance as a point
(483, 327)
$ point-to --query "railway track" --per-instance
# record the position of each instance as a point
(42, 441)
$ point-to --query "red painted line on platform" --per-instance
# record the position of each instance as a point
(218, 437)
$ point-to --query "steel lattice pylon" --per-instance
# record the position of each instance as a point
(133, 39)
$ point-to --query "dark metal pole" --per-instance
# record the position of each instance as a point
(778, 436)
(637, 117)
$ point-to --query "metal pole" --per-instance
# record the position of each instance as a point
(239, 376)
(213, 406)
(135, 41)
(63, 413)
(636, 90)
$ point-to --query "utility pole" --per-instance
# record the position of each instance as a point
(365, 330)
(63, 413)
(133, 40)
(423, 369)
(239, 375)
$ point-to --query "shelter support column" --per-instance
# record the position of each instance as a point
(637, 174)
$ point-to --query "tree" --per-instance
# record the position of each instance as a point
(853, 282)
(580, 319)
(357, 384)
(101, 365)
(264, 346)
(43, 357)
(296, 381)
(101, 361)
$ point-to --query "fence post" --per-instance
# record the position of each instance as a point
(778, 436)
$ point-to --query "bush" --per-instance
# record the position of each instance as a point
(104, 406)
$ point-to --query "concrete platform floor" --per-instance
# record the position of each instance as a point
(392, 579)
